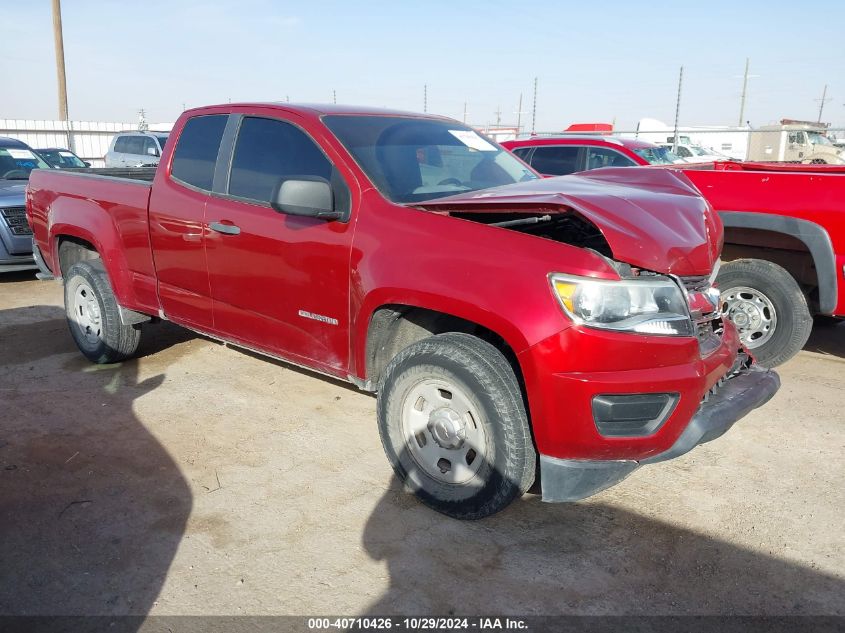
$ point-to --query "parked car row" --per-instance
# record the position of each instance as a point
(17, 160)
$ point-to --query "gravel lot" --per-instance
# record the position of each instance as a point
(201, 479)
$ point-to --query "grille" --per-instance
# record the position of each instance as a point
(708, 320)
(696, 284)
(15, 218)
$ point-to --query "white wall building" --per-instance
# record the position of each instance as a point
(731, 141)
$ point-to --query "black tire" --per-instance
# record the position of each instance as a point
(483, 377)
(793, 320)
(105, 339)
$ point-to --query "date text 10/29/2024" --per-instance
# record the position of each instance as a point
(417, 624)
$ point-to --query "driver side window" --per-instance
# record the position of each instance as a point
(268, 151)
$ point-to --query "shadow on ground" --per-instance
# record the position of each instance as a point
(828, 337)
(93, 507)
(587, 558)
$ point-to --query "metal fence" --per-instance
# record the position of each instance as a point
(89, 139)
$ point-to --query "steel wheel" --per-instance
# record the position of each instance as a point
(753, 314)
(443, 431)
(86, 314)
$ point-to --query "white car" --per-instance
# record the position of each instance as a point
(696, 153)
(136, 149)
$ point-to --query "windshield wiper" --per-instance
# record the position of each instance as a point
(531, 220)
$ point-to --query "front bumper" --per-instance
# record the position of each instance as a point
(745, 390)
(14, 257)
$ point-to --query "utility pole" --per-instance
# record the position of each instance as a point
(677, 111)
(822, 101)
(534, 109)
(499, 117)
(334, 97)
(465, 112)
(58, 38)
(744, 91)
(425, 97)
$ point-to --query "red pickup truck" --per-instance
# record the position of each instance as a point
(784, 233)
(511, 325)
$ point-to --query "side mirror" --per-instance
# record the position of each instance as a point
(87, 164)
(306, 196)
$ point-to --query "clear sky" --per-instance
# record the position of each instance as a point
(596, 61)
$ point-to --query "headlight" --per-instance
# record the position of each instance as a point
(647, 306)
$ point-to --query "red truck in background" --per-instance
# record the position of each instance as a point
(510, 325)
(784, 255)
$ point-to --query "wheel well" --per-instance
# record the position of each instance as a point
(74, 249)
(779, 248)
(395, 327)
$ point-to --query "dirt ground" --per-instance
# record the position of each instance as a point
(200, 479)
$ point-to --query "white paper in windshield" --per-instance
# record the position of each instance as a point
(19, 153)
(66, 154)
(472, 140)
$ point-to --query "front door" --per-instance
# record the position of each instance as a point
(279, 283)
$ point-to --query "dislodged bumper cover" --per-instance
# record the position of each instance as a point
(744, 391)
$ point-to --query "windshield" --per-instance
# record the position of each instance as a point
(61, 158)
(657, 155)
(410, 160)
(818, 139)
(16, 163)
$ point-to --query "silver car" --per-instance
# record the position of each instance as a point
(136, 149)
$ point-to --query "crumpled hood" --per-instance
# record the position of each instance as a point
(652, 218)
(12, 192)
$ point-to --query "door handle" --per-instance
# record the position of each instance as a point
(228, 229)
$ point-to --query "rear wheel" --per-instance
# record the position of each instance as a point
(94, 317)
(767, 307)
(454, 427)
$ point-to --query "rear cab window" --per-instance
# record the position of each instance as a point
(195, 156)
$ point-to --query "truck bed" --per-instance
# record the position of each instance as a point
(804, 206)
(126, 173)
(104, 207)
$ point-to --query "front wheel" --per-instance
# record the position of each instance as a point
(767, 307)
(454, 427)
(93, 315)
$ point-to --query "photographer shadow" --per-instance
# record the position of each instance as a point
(93, 506)
(587, 558)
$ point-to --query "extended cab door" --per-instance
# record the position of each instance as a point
(177, 221)
(279, 283)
